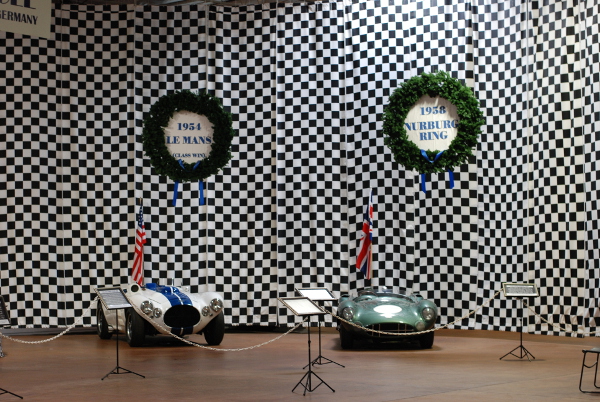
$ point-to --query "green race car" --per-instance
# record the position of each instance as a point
(398, 314)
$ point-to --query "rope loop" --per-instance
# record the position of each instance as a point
(558, 326)
(70, 327)
(419, 332)
(166, 330)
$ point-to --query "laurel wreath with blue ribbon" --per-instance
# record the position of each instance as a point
(424, 161)
(153, 137)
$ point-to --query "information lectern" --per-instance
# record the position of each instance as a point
(304, 307)
(519, 291)
(114, 299)
(319, 295)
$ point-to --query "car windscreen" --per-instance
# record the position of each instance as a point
(394, 296)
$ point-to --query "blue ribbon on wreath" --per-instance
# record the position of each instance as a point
(424, 177)
(200, 184)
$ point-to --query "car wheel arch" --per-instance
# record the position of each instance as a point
(102, 326)
(214, 331)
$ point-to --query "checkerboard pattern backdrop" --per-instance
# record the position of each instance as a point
(306, 85)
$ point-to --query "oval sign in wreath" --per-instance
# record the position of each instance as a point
(429, 112)
(179, 141)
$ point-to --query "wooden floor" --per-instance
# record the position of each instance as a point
(462, 366)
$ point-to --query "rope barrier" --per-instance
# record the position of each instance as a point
(558, 326)
(70, 327)
(166, 330)
(246, 348)
(420, 332)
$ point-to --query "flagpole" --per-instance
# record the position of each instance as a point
(370, 265)
(137, 270)
(364, 258)
(177, 220)
(370, 273)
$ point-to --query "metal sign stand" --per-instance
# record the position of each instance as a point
(523, 352)
(114, 299)
(4, 320)
(303, 306)
(3, 391)
(316, 295)
(520, 290)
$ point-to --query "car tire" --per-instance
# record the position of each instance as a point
(346, 338)
(426, 340)
(134, 329)
(101, 323)
(215, 330)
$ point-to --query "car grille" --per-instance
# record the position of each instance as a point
(182, 316)
(390, 327)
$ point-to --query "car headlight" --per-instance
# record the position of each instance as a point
(420, 326)
(147, 307)
(157, 312)
(428, 314)
(205, 311)
(216, 305)
(348, 313)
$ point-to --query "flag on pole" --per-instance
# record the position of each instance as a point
(365, 252)
(137, 271)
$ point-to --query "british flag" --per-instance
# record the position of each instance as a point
(364, 260)
(137, 271)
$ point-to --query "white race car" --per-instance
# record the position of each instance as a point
(167, 310)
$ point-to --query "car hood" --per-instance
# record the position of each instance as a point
(386, 307)
(387, 310)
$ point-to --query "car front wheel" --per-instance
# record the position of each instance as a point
(346, 338)
(426, 340)
(215, 330)
(134, 329)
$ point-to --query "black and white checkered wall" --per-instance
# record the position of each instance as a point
(306, 85)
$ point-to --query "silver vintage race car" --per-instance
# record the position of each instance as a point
(166, 310)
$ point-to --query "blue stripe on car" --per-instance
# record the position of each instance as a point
(174, 295)
(176, 298)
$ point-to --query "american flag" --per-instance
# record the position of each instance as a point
(137, 271)
(365, 253)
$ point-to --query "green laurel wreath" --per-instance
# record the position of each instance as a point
(153, 135)
(441, 84)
